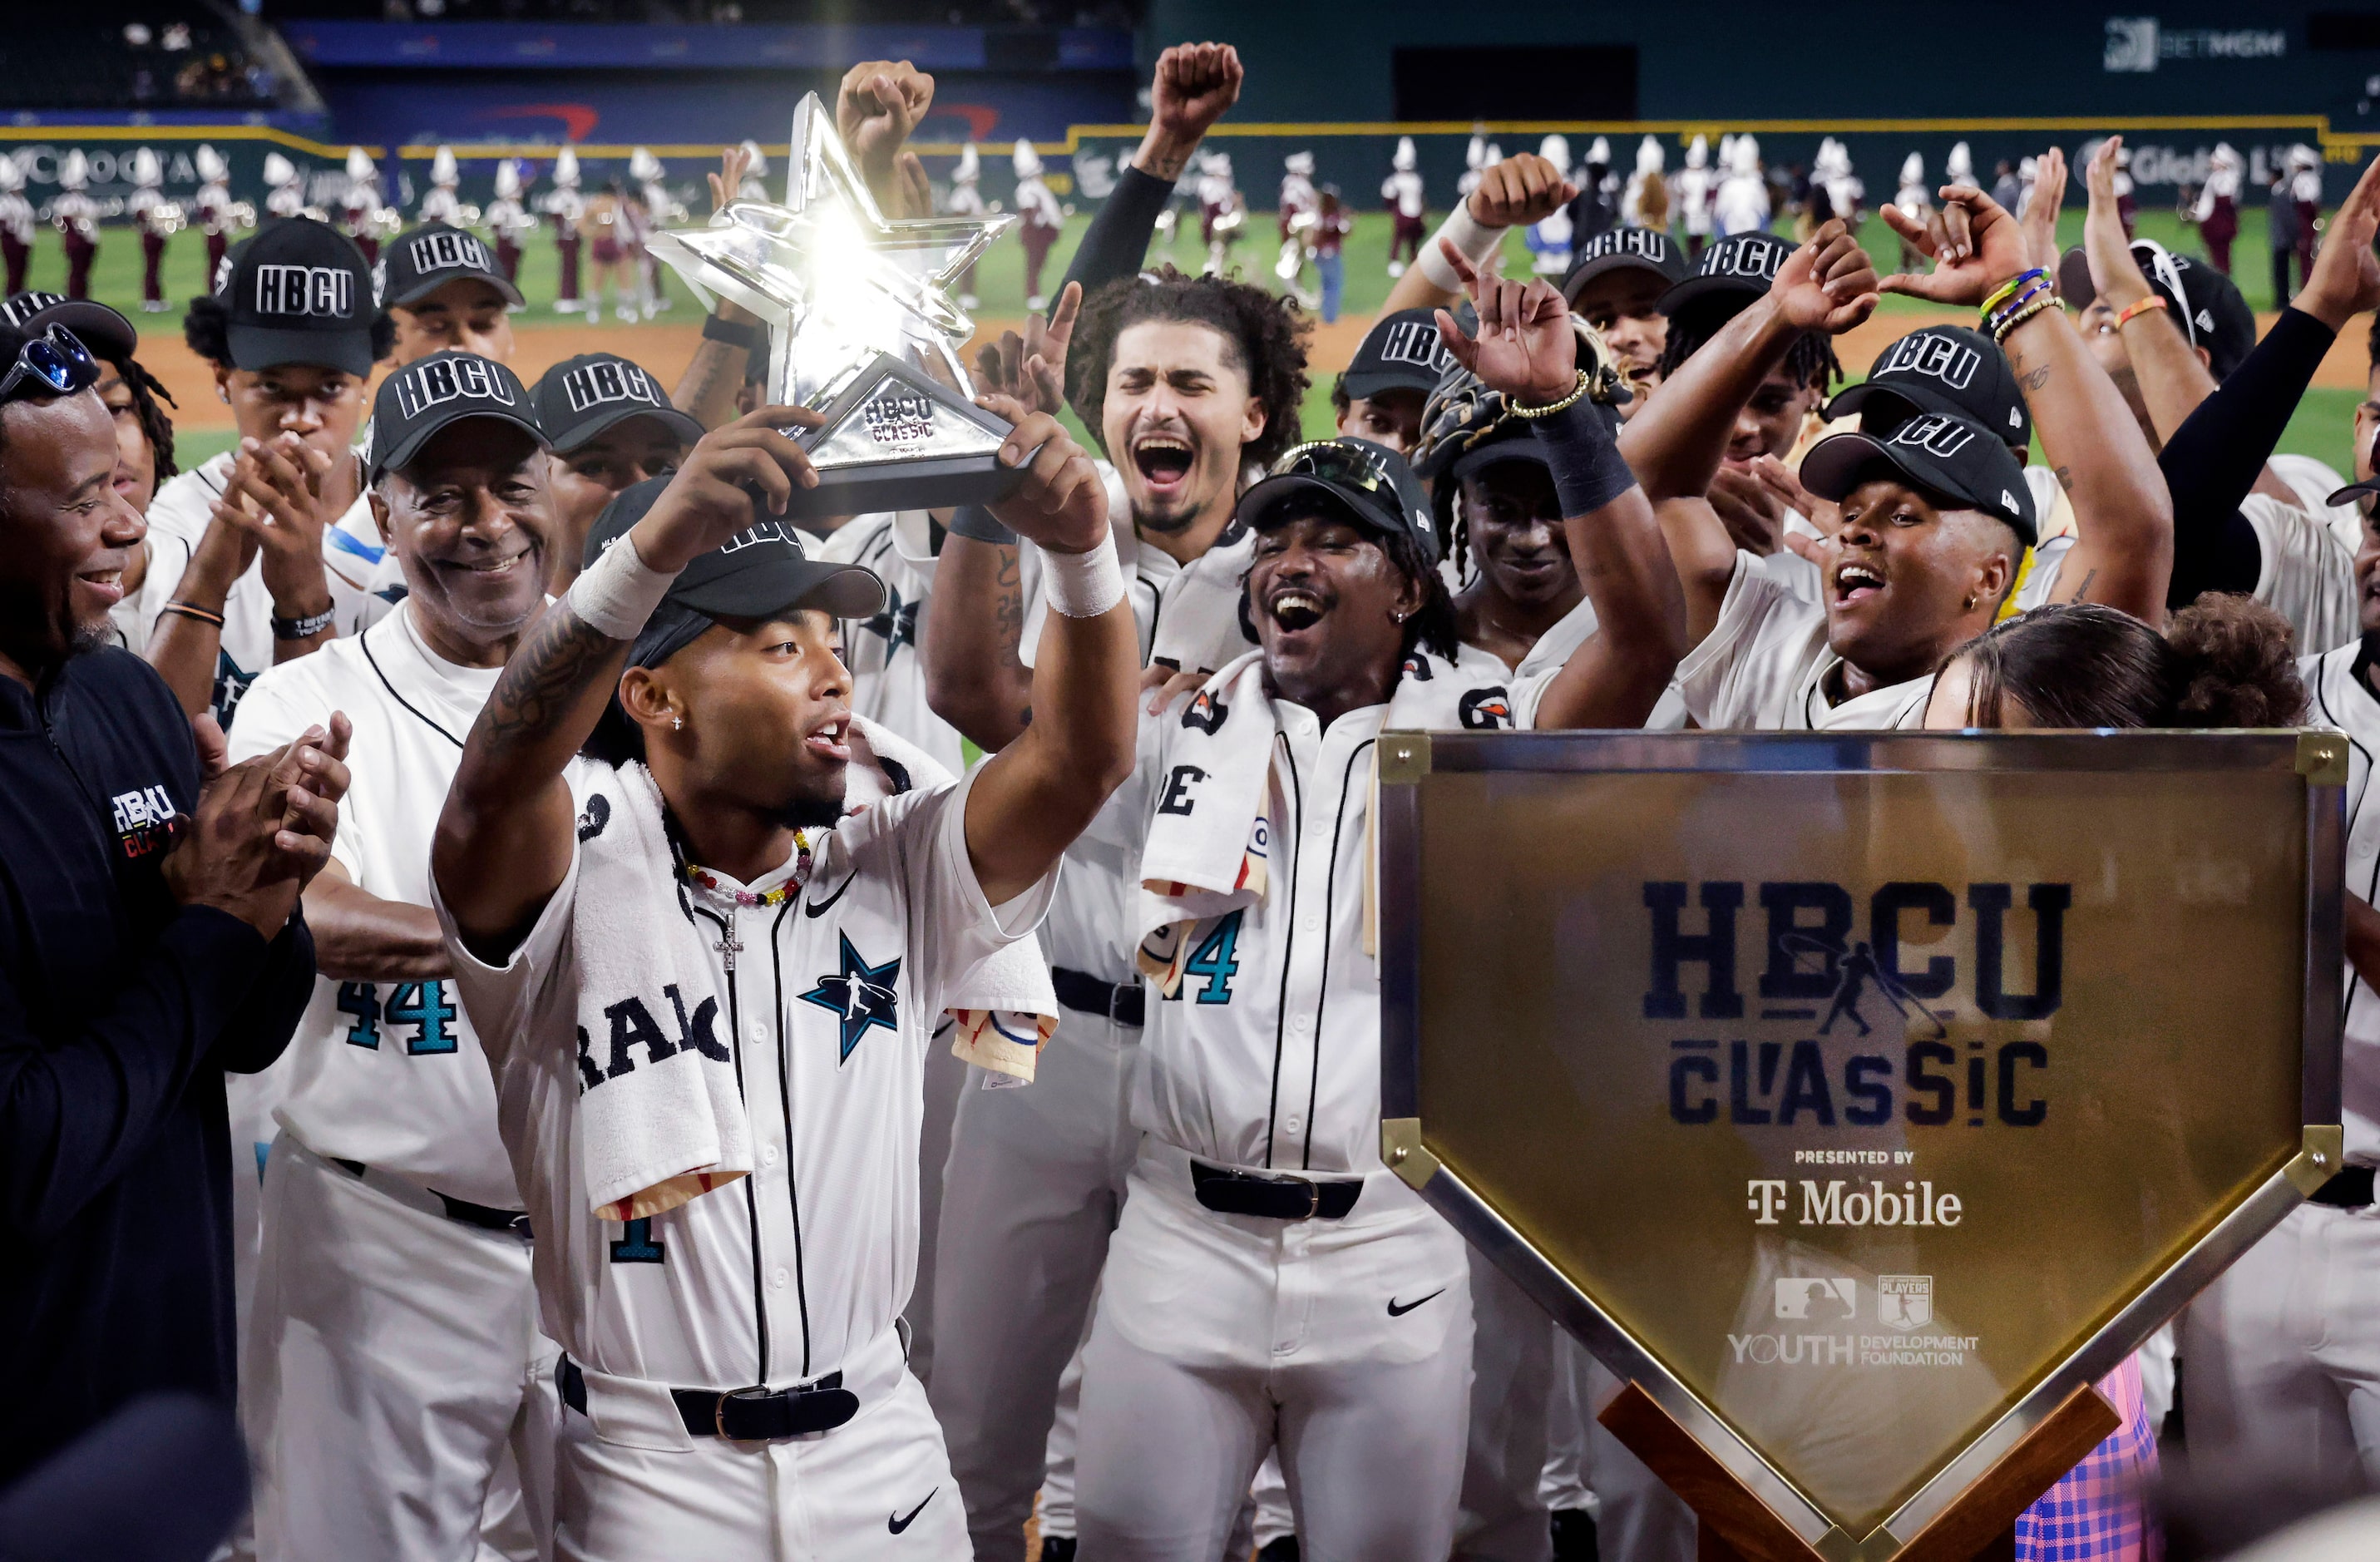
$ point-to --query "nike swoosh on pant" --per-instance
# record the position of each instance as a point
(1395, 1310)
(818, 908)
(896, 1523)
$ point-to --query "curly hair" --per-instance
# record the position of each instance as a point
(1267, 333)
(1810, 361)
(2225, 661)
(157, 428)
(207, 327)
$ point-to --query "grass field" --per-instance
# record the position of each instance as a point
(2321, 427)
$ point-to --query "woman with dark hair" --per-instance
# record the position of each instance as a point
(2226, 661)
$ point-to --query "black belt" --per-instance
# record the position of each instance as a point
(1272, 1196)
(2351, 1190)
(740, 1415)
(1125, 1002)
(462, 1210)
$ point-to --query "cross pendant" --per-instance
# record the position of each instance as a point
(729, 946)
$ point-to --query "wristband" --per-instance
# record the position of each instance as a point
(302, 629)
(735, 333)
(192, 610)
(2001, 328)
(1082, 585)
(2008, 289)
(615, 594)
(976, 521)
(1584, 457)
(1472, 238)
(2155, 301)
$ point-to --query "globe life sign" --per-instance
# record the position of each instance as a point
(1859, 1098)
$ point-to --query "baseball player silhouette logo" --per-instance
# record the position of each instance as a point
(859, 995)
(1858, 970)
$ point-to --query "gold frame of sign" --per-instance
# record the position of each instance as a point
(1861, 1098)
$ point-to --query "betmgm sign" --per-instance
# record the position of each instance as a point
(1860, 1096)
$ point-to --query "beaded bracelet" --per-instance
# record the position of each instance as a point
(2000, 331)
(2008, 289)
(2155, 301)
(1992, 318)
(1564, 405)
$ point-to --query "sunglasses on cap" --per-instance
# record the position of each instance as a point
(54, 363)
(1334, 462)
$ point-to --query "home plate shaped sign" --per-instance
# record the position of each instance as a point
(1860, 1096)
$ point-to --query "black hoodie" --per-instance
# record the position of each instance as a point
(119, 1013)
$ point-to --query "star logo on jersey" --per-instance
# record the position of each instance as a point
(861, 996)
(897, 625)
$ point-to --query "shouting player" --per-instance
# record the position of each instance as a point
(714, 990)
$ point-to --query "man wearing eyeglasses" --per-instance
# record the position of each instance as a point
(1273, 1286)
(151, 941)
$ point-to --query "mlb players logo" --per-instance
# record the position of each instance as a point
(1904, 1301)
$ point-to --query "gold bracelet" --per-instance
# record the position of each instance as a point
(1564, 405)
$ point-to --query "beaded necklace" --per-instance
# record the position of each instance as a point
(704, 879)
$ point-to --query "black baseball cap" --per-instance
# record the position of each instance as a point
(298, 292)
(1948, 456)
(1371, 481)
(760, 572)
(107, 334)
(2204, 303)
(1734, 270)
(1953, 369)
(1624, 249)
(417, 264)
(426, 394)
(580, 397)
(1400, 352)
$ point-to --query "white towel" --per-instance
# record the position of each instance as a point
(1199, 618)
(660, 1128)
(1005, 1007)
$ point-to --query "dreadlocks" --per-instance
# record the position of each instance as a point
(1810, 361)
(157, 428)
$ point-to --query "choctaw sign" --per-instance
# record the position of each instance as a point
(1860, 1099)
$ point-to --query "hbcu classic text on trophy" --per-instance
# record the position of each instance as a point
(861, 329)
(1860, 1099)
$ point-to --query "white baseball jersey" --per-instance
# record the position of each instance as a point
(177, 518)
(829, 1001)
(388, 1073)
(2340, 695)
(1766, 666)
(888, 674)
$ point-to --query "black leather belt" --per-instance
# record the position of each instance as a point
(740, 1415)
(2351, 1190)
(1125, 1002)
(462, 1210)
(1272, 1196)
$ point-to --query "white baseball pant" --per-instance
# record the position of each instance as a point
(635, 1485)
(1637, 1515)
(391, 1357)
(1504, 1516)
(1031, 1194)
(2282, 1352)
(946, 1077)
(1219, 1337)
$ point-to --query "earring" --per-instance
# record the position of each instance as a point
(1398, 617)
(677, 724)
(1971, 602)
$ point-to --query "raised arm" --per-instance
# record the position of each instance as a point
(503, 840)
(1522, 189)
(1527, 350)
(2123, 551)
(1194, 84)
(2172, 378)
(706, 391)
(1043, 790)
(1675, 445)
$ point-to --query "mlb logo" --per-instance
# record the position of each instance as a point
(1904, 1301)
(1817, 1301)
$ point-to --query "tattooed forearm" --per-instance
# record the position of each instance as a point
(562, 658)
(2083, 590)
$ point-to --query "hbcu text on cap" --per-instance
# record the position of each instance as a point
(445, 251)
(1935, 434)
(1414, 342)
(435, 380)
(306, 291)
(1937, 358)
(592, 384)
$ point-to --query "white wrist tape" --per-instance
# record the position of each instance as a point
(618, 592)
(1472, 238)
(1083, 585)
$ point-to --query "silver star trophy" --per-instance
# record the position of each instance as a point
(861, 328)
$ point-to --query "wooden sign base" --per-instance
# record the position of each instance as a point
(1979, 1526)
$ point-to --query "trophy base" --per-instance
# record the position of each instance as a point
(898, 439)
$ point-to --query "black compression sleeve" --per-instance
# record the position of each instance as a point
(2214, 458)
(1117, 240)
